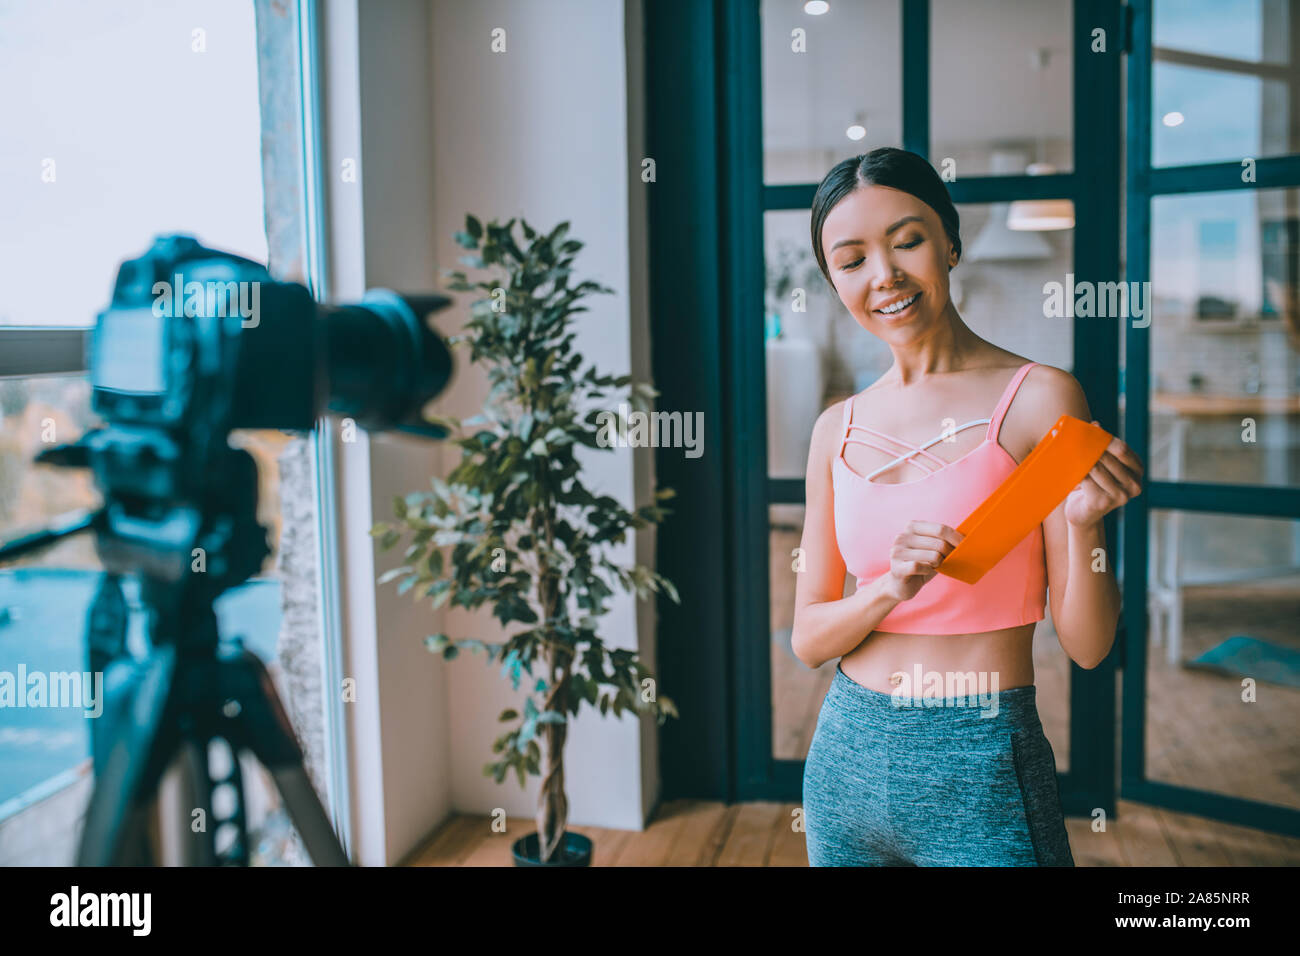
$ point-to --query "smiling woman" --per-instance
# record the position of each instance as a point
(914, 649)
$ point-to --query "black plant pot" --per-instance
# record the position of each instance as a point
(574, 850)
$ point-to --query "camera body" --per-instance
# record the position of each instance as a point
(197, 342)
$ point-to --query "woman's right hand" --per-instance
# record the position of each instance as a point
(916, 555)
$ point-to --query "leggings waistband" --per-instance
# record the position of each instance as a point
(1015, 707)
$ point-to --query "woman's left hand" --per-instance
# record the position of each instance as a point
(1115, 479)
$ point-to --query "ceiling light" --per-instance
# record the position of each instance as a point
(815, 8)
(1040, 215)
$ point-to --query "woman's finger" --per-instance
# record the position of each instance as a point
(1103, 479)
(1121, 473)
(1125, 454)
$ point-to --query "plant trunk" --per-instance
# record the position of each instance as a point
(552, 804)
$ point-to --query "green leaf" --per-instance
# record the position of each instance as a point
(473, 227)
(393, 574)
(509, 715)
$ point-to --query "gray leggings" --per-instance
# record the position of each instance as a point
(968, 783)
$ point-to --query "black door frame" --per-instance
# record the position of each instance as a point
(703, 129)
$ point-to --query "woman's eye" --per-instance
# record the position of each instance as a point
(853, 264)
(910, 245)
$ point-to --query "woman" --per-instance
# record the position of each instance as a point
(928, 749)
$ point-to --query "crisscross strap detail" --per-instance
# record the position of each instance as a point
(937, 438)
(994, 423)
(912, 449)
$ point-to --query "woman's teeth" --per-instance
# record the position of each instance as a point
(898, 306)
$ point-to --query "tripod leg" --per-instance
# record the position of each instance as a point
(132, 765)
(185, 787)
(264, 728)
(308, 815)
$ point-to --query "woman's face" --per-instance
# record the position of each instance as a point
(884, 247)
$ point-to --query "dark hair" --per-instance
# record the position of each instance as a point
(886, 166)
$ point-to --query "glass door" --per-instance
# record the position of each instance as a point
(1212, 405)
(985, 90)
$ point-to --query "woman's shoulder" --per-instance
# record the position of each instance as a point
(1054, 387)
(829, 424)
(1046, 394)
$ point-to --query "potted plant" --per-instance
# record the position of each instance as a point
(514, 526)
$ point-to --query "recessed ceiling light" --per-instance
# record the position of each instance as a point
(855, 131)
(815, 8)
(1173, 118)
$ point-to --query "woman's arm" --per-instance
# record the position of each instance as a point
(826, 624)
(1084, 596)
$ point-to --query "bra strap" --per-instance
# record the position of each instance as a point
(844, 425)
(995, 422)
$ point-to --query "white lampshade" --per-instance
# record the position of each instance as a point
(1040, 215)
(996, 242)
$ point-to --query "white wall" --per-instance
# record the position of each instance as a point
(377, 102)
(440, 126)
(541, 131)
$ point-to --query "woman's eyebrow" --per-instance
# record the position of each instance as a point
(857, 242)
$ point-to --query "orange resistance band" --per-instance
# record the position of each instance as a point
(1042, 481)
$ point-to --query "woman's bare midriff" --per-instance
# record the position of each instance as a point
(998, 660)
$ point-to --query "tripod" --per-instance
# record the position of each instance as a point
(191, 687)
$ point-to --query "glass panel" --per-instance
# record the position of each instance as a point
(1021, 110)
(999, 284)
(1225, 370)
(1220, 81)
(100, 156)
(797, 691)
(843, 69)
(1223, 664)
(810, 338)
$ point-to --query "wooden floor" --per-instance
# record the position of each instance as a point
(701, 833)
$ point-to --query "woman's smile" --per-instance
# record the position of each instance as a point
(900, 308)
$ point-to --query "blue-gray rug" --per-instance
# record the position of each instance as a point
(1244, 656)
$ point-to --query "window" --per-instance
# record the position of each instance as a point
(124, 122)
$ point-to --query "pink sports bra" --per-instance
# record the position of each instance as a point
(870, 514)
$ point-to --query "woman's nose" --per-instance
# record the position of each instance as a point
(885, 274)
